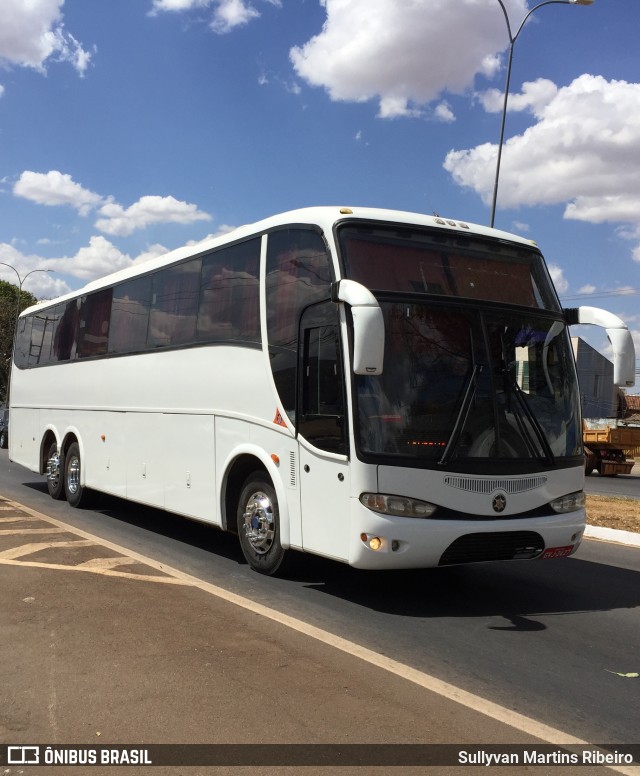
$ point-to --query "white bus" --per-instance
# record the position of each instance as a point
(387, 389)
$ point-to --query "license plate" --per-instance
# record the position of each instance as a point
(557, 552)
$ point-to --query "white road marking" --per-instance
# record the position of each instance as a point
(495, 711)
(29, 549)
(167, 580)
(29, 531)
(105, 563)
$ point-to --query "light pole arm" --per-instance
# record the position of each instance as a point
(512, 41)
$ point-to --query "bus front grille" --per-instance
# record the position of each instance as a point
(501, 545)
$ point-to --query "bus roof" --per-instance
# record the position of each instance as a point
(323, 216)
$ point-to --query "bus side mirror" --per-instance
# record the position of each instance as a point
(624, 355)
(368, 326)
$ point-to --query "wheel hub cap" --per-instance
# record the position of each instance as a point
(259, 522)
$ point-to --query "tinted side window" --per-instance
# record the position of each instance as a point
(95, 316)
(321, 417)
(51, 318)
(174, 305)
(33, 339)
(230, 294)
(23, 342)
(66, 334)
(298, 274)
(130, 316)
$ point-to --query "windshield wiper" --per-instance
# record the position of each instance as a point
(463, 414)
(519, 394)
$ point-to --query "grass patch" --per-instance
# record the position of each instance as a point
(623, 514)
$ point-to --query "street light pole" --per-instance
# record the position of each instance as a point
(22, 279)
(15, 325)
(512, 42)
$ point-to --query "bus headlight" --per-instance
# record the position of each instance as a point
(569, 503)
(397, 505)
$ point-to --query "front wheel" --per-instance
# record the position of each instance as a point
(74, 491)
(258, 521)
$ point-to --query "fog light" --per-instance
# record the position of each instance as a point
(373, 542)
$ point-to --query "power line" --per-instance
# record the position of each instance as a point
(602, 294)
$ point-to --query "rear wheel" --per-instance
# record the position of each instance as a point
(72, 471)
(258, 522)
(55, 468)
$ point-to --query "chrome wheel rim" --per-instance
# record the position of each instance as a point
(73, 475)
(53, 470)
(259, 522)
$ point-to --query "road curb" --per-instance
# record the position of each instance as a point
(612, 535)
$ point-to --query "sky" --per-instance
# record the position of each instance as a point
(129, 128)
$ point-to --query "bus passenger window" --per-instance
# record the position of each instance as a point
(23, 342)
(130, 316)
(65, 338)
(174, 305)
(230, 295)
(298, 274)
(95, 316)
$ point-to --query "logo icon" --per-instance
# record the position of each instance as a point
(23, 755)
(499, 502)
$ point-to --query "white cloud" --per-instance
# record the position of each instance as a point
(32, 32)
(355, 56)
(588, 289)
(178, 5)
(220, 231)
(152, 252)
(583, 150)
(444, 113)
(559, 280)
(147, 210)
(535, 97)
(98, 258)
(43, 285)
(226, 14)
(232, 13)
(55, 188)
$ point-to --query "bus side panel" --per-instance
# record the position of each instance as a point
(101, 435)
(189, 465)
(146, 450)
(235, 438)
(24, 437)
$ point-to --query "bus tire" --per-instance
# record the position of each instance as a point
(55, 472)
(258, 521)
(72, 476)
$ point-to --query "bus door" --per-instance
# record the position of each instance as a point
(322, 434)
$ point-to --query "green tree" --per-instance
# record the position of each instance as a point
(8, 308)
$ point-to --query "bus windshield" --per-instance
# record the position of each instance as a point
(472, 377)
(413, 260)
(470, 384)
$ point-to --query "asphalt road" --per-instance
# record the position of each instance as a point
(547, 639)
(627, 485)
